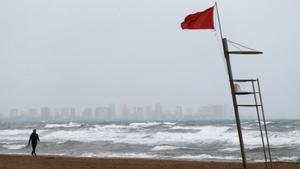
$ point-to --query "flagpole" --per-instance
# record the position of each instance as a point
(219, 21)
(234, 99)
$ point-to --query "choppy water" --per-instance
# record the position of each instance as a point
(204, 140)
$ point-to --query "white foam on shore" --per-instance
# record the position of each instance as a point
(155, 138)
(120, 155)
(252, 138)
(134, 134)
(207, 157)
(169, 123)
(200, 135)
(133, 125)
(161, 148)
(147, 124)
(88, 155)
(292, 158)
(15, 134)
(231, 149)
(63, 125)
(14, 146)
(121, 134)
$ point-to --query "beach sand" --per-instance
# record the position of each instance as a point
(60, 162)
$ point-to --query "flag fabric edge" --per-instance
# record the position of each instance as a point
(200, 20)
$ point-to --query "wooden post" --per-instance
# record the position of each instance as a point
(236, 111)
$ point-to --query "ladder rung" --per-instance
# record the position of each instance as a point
(245, 93)
(248, 105)
(244, 80)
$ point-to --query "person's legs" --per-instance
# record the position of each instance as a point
(33, 149)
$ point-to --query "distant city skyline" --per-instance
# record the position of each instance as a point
(113, 112)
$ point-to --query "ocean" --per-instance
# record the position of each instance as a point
(180, 140)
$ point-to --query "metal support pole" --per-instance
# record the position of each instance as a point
(265, 125)
(259, 123)
(236, 111)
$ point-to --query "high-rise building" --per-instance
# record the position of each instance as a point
(31, 115)
(158, 111)
(179, 113)
(113, 111)
(103, 113)
(87, 114)
(46, 114)
(149, 113)
(65, 113)
(57, 114)
(125, 112)
(72, 113)
(214, 112)
(158, 108)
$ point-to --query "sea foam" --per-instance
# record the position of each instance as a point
(63, 125)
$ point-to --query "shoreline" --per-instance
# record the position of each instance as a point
(15, 161)
(148, 158)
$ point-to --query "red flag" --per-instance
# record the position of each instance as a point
(199, 20)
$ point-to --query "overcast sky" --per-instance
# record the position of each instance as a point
(94, 52)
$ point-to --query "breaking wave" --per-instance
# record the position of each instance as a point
(160, 148)
(171, 140)
(147, 124)
(64, 125)
(14, 146)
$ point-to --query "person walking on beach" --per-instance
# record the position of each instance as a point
(34, 138)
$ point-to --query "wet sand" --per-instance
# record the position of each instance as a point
(62, 162)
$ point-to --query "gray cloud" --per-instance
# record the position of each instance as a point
(86, 53)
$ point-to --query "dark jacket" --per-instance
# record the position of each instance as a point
(34, 138)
